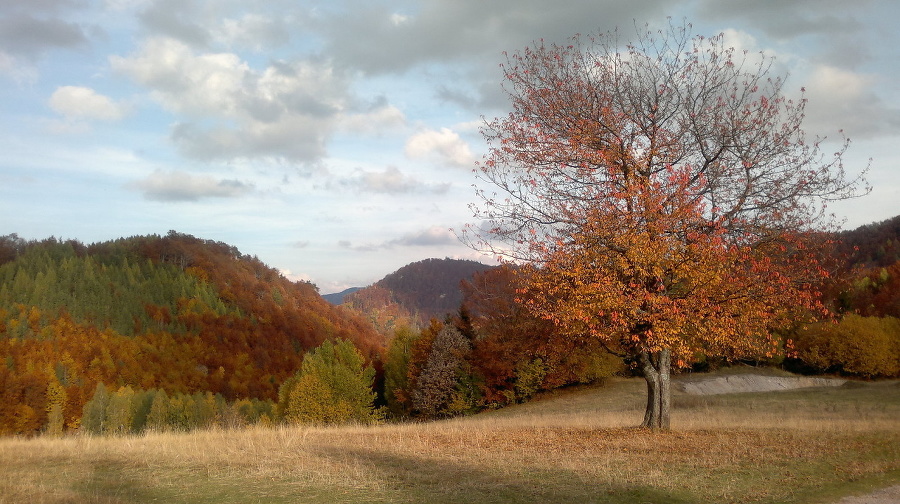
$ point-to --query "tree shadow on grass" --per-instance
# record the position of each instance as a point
(418, 479)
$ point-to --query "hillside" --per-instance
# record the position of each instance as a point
(869, 280)
(872, 245)
(171, 312)
(415, 293)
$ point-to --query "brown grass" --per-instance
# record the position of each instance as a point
(803, 446)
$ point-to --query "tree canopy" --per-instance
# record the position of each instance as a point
(663, 194)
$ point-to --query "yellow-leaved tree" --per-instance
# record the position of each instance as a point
(333, 386)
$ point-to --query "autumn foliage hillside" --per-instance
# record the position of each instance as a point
(174, 313)
(871, 273)
(864, 295)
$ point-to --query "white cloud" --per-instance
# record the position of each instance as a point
(398, 19)
(393, 181)
(445, 145)
(19, 71)
(374, 121)
(434, 236)
(252, 30)
(288, 110)
(81, 103)
(842, 84)
(841, 99)
(182, 186)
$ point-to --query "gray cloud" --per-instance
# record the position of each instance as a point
(347, 244)
(385, 40)
(175, 18)
(434, 236)
(782, 19)
(29, 36)
(173, 186)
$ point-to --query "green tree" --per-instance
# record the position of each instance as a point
(396, 371)
(120, 412)
(333, 386)
(93, 418)
(158, 416)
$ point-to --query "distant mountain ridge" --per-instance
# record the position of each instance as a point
(415, 293)
(337, 298)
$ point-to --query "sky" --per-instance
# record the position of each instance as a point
(335, 139)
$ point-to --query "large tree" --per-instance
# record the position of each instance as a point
(661, 193)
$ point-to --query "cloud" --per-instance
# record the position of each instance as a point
(19, 71)
(842, 99)
(444, 145)
(229, 110)
(393, 181)
(24, 34)
(787, 19)
(77, 103)
(175, 18)
(434, 236)
(384, 40)
(374, 121)
(182, 186)
(347, 244)
(252, 30)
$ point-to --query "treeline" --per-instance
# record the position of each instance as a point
(92, 337)
(863, 340)
(171, 313)
(492, 353)
(129, 411)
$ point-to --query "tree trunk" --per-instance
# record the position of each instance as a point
(656, 367)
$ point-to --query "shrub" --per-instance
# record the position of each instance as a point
(868, 347)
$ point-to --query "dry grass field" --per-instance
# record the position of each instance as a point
(802, 446)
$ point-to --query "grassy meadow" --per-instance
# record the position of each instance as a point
(803, 446)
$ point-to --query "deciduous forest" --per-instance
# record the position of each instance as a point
(176, 332)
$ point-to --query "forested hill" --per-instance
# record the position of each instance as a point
(415, 293)
(170, 312)
(873, 245)
(871, 255)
